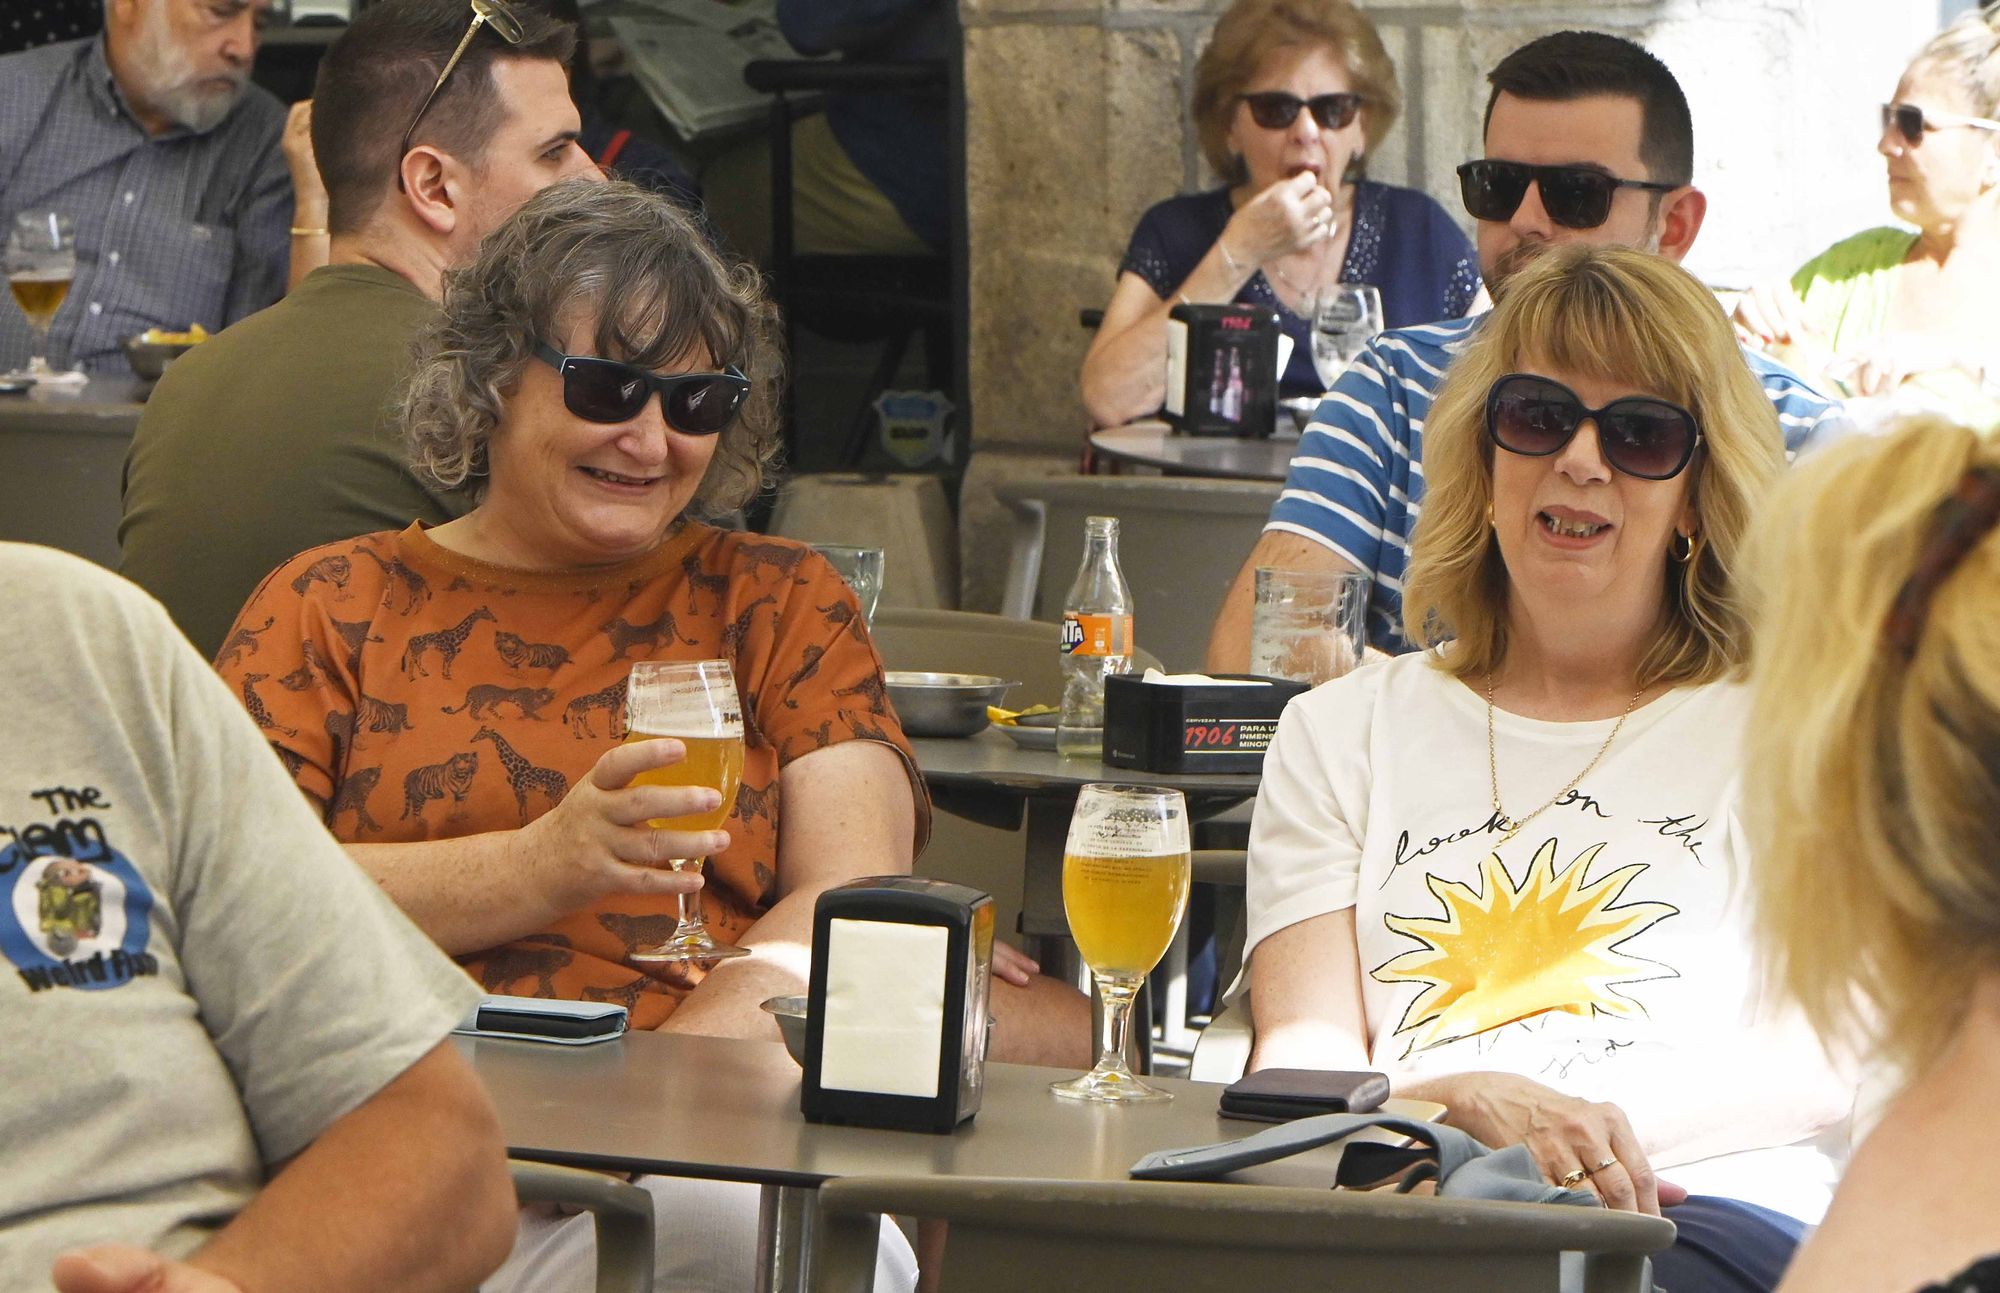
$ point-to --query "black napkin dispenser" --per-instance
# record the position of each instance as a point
(1222, 370)
(1168, 727)
(896, 1013)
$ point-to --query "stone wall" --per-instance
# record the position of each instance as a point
(1076, 122)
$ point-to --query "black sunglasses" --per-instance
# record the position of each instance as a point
(1638, 435)
(1576, 197)
(1911, 121)
(485, 13)
(608, 390)
(1277, 110)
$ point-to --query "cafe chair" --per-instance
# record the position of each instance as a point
(623, 1213)
(1181, 540)
(1090, 1236)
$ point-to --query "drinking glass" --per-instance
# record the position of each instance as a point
(1125, 889)
(1349, 316)
(41, 262)
(695, 702)
(861, 568)
(1307, 625)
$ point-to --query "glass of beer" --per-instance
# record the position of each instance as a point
(1125, 889)
(694, 702)
(41, 261)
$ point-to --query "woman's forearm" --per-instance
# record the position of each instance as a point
(468, 894)
(1125, 373)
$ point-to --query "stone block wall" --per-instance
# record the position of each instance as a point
(1076, 121)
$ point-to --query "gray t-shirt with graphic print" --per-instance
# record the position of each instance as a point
(195, 980)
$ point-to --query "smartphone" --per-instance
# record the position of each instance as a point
(1280, 1095)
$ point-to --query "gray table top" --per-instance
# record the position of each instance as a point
(729, 1110)
(990, 759)
(101, 405)
(1155, 444)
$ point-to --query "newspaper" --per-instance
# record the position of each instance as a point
(689, 56)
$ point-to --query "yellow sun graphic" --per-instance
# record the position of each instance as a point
(1507, 952)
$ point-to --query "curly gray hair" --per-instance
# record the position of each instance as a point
(635, 266)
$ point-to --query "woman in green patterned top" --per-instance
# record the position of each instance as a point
(1907, 315)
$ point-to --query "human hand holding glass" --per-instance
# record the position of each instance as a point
(41, 262)
(1125, 889)
(694, 702)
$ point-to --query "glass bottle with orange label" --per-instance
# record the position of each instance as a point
(1097, 639)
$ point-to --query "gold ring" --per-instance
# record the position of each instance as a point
(1574, 1179)
(1606, 1163)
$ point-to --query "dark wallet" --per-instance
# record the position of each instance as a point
(1280, 1095)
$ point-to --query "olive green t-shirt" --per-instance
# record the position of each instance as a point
(271, 438)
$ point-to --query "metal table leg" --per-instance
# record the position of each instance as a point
(785, 1216)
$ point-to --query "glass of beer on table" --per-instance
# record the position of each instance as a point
(41, 261)
(1125, 889)
(695, 703)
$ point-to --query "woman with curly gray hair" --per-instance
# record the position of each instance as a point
(453, 698)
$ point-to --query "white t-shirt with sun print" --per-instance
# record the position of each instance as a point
(1603, 951)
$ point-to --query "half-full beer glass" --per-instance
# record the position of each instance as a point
(40, 262)
(694, 702)
(1125, 889)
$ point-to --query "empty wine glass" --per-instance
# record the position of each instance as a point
(41, 263)
(861, 568)
(1348, 318)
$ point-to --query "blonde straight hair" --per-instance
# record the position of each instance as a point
(1641, 321)
(1873, 782)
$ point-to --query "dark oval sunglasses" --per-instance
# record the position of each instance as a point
(1576, 197)
(1639, 435)
(1277, 110)
(609, 390)
(1911, 120)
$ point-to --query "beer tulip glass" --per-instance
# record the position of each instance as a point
(40, 262)
(694, 702)
(1125, 889)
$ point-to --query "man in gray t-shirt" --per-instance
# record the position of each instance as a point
(226, 1050)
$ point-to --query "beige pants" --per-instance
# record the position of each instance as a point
(835, 209)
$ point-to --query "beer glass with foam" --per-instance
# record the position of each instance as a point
(1125, 889)
(694, 702)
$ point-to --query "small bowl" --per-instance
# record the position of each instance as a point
(1300, 409)
(150, 358)
(790, 1012)
(944, 704)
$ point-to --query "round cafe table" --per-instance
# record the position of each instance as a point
(1153, 443)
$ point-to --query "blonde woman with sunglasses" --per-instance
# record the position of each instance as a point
(1873, 797)
(1907, 317)
(1289, 98)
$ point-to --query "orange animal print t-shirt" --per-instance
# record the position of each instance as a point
(417, 694)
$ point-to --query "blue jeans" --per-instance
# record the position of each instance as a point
(1726, 1246)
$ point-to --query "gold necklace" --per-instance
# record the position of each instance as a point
(1500, 817)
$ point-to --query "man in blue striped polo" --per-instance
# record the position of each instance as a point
(1588, 139)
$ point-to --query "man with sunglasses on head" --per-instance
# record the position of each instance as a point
(433, 120)
(1588, 140)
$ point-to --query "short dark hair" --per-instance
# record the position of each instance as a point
(374, 78)
(1578, 64)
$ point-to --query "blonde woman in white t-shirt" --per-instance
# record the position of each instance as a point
(1873, 794)
(1503, 870)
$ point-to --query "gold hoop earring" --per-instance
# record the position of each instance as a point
(1489, 514)
(1685, 553)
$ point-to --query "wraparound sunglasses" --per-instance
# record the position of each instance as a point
(610, 390)
(1638, 435)
(1576, 197)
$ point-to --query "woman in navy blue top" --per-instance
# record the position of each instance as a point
(1289, 96)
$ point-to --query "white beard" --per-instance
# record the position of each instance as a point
(170, 83)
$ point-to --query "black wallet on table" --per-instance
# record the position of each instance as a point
(1280, 1095)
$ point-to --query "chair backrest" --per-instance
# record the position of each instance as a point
(1181, 539)
(623, 1214)
(973, 642)
(1198, 1238)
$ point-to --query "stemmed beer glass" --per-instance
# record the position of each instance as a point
(1125, 889)
(695, 702)
(41, 262)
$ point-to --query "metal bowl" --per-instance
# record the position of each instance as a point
(150, 358)
(944, 704)
(790, 1012)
